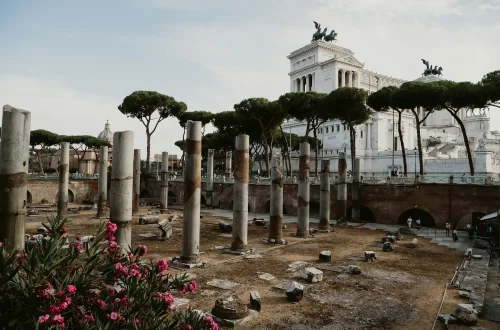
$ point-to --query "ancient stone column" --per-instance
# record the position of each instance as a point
(342, 189)
(164, 183)
(276, 202)
(210, 177)
(324, 196)
(356, 183)
(229, 162)
(62, 200)
(121, 191)
(303, 190)
(103, 182)
(192, 194)
(137, 181)
(240, 200)
(14, 148)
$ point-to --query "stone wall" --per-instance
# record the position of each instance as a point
(382, 203)
(79, 190)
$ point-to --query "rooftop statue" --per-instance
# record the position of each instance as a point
(319, 35)
(431, 70)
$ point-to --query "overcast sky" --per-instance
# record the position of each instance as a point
(71, 63)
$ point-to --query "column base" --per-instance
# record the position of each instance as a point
(186, 263)
(302, 233)
(239, 251)
(164, 211)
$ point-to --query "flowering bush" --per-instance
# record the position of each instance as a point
(53, 286)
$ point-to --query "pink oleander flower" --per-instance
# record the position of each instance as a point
(1, 244)
(142, 250)
(63, 231)
(184, 327)
(113, 316)
(100, 303)
(120, 270)
(71, 289)
(58, 319)
(43, 318)
(161, 265)
(211, 325)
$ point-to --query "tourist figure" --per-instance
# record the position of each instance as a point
(417, 223)
(454, 232)
(470, 230)
(448, 226)
(409, 222)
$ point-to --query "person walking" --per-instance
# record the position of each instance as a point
(454, 233)
(409, 222)
(418, 224)
(448, 226)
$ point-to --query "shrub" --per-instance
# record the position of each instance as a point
(56, 286)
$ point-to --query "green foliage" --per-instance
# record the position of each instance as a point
(348, 105)
(93, 287)
(382, 100)
(491, 87)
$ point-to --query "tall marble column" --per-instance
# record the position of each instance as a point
(121, 190)
(103, 182)
(303, 190)
(164, 183)
(210, 177)
(369, 136)
(349, 78)
(137, 180)
(335, 78)
(324, 196)
(62, 200)
(14, 149)
(342, 78)
(358, 79)
(276, 202)
(192, 195)
(240, 200)
(314, 82)
(342, 189)
(308, 83)
(356, 183)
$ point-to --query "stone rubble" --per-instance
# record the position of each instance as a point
(312, 275)
(354, 270)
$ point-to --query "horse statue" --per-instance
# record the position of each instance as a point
(429, 70)
(331, 36)
(437, 71)
(317, 34)
(322, 34)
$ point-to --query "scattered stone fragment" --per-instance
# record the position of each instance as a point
(255, 301)
(226, 235)
(253, 256)
(223, 284)
(313, 275)
(477, 256)
(325, 256)
(142, 204)
(478, 328)
(42, 231)
(260, 222)
(312, 231)
(413, 244)
(230, 307)
(165, 230)
(354, 270)
(468, 253)
(294, 292)
(172, 218)
(266, 277)
(370, 256)
(208, 293)
(179, 302)
(387, 247)
(463, 294)
(225, 227)
(283, 227)
(447, 319)
(388, 238)
(85, 208)
(220, 247)
(148, 220)
(465, 314)
(296, 266)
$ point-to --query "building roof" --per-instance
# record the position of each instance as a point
(106, 135)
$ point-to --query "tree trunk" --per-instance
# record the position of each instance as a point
(184, 147)
(466, 140)
(40, 162)
(400, 132)
(352, 134)
(308, 125)
(316, 152)
(287, 153)
(148, 151)
(266, 152)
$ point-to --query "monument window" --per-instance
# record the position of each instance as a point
(326, 130)
(338, 128)
(344, 127)
(361, 134)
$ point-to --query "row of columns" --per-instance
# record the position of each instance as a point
(348, 78)
(305, 83)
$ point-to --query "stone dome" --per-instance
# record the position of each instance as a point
(430, 78)
(106, 135)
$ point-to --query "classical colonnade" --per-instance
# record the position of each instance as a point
(345, 78)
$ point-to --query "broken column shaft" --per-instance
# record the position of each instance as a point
(303, 191)
(342, 189)
(229, 162)
(324, 196)
(62, 200)
(103, 182)
(240, 200)
(210, 177)
(137, 181)
(192, 194)
(276, 202)
(122, 173)
(356, 182)
(14, 149)
(164, 183)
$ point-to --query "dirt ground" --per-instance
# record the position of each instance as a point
(402, 289)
